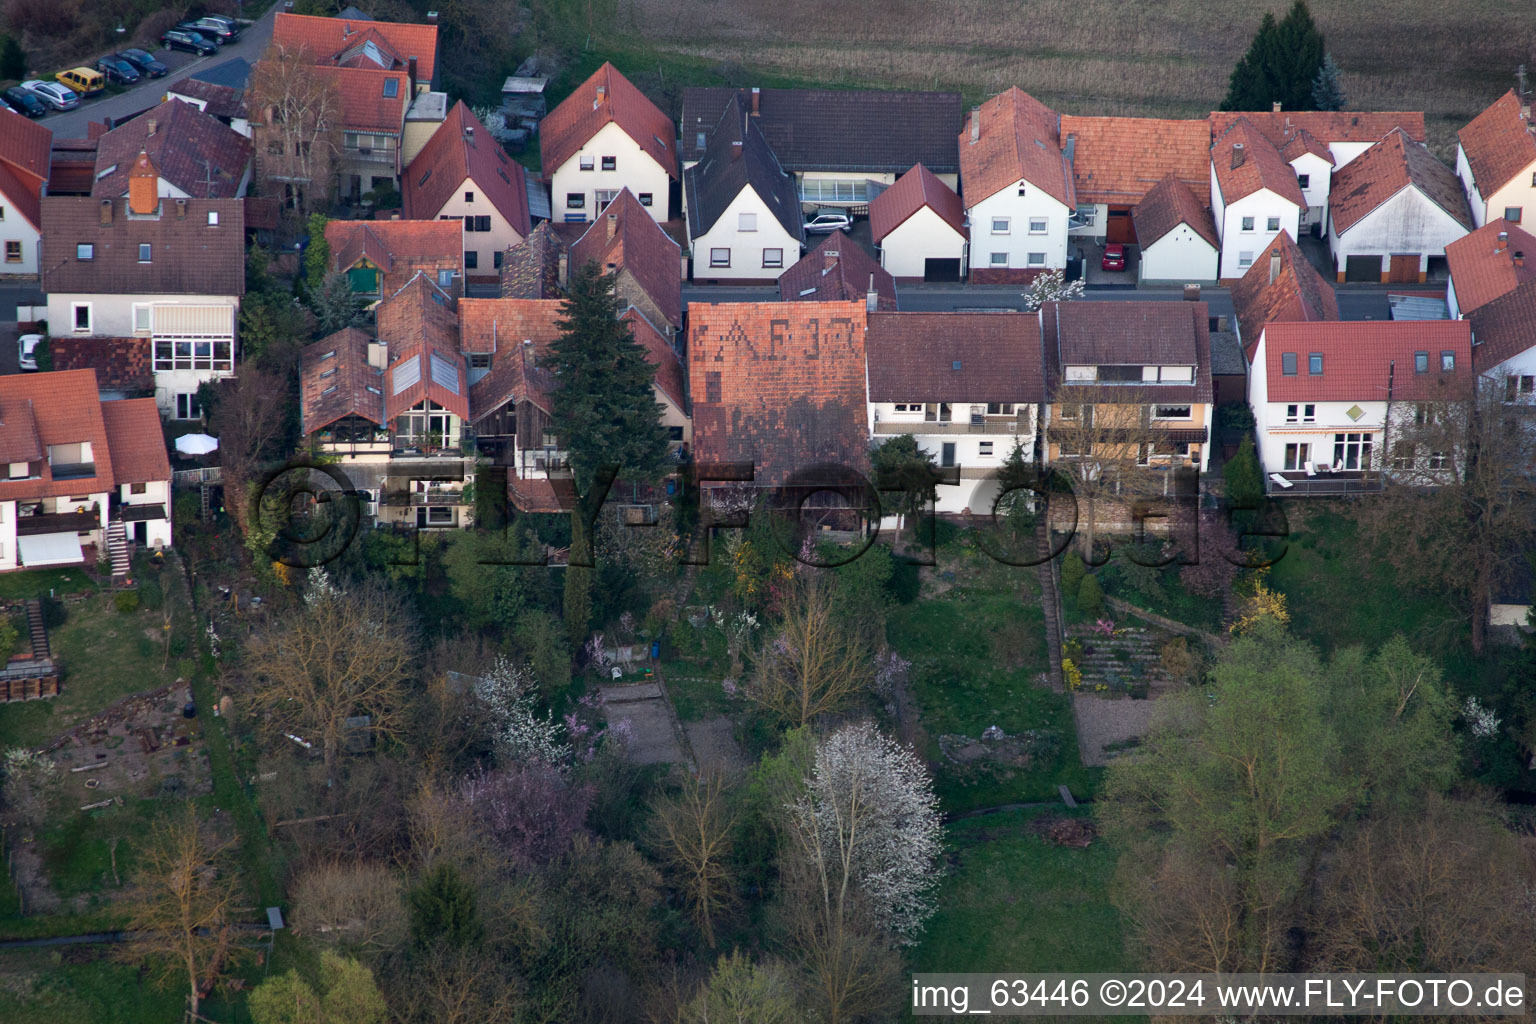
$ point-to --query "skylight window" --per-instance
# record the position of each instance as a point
(109, 170)
(391, 88)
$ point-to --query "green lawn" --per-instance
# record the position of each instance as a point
(79, 985)
(696, 692)
(1015, 902)
(16, 586)
(105, 655)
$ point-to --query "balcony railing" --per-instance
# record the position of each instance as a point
(431, 496)
(59, 522)
(1323, 484)
(375, 155)
(986, 425)
(73, 470)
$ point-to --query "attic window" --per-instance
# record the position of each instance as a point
(106, 172)
(391, 88)
(1288, 363)
(331, 390)
(423, 179)
(660, 141)
(213, 218)
(85, 251)
(1421, 362)
(699, 141)
(374, 390)
(329, 373)
(1447, 362)
(144, 252)
(329, 355)
(807, 291)
(1314, 363)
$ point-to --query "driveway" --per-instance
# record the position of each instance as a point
(72, 124)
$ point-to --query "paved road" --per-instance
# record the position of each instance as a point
(1364, 303)
(71, 124)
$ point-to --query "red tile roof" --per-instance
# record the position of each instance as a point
(137, 441)
(605, 97)
(42, 409)
(418, 313)
(1504, 327)
(1360, 357)
(671, 378)
(1290, 290)
(1328, 126)
(1498, 144)
(955, 357)
(420, 326)
(121, 364)
(1256, 165)
(504, 328)
(194, 151)
(26, 154)
(330, 39)
(1168, 204)
(625, 238)
(1303, 141)
(364, 105)
(462, 148)
(190, 255)
(1483, 268)
(914, 190)
(1118, 160)
(400, 248)
(336, 381)
(1384, 170)
(1019, 140)
(778, 384)
(837, 270)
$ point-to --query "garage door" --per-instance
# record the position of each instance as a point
(1363, 268)
(1404, 270)
(1120, 227)
(941, 270)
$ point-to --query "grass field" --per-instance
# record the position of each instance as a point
(1168, 58)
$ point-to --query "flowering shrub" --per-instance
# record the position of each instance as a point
(506, 691)
(1262, 604)
(1105, 626)
(1072, 674)
(1481, 719)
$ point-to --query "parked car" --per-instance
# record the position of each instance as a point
(825, 223)
(176, 39)
(52, 94)
(144, 62)
(6, 107)
(23, 102)
(26, 351)
(218, 28)
(85, 81)
(118, 69)
(1114, 257)
(196, 29)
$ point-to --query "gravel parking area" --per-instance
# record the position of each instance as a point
(1102, 722)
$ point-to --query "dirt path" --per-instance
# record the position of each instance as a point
(714, 745)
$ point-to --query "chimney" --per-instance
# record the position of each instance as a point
(410, 73)
(756, 95)
(143, 187)
(736, 150)
(1070, 149)
(975, 125)
(562, 269)
(829, 258)
(1274, 264)
(1237, 155)
(431, 17)
(1191, 293)
(181, 209)
(1519, 258)
(1277, 106)
(469, 134)
(613, 225)
(153, 124)
(1503, 243)
(106, 211)
(378, 355)
(872, 297)
(602, 94)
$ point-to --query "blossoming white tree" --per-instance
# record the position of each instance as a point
(506, 693)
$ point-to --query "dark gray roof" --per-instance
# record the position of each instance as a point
(723, 172)
(234, 73)
(854, 130)
(1227, 355)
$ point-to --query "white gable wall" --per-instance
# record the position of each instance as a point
(16, 228)
(745, 247)
(486, 245)
(923, 236)
(1408, 223)
(633, 169)
(1015, 244)
(1319, 175)
(1181, 255)
(1239, 243)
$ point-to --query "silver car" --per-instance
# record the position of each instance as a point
(52, 93)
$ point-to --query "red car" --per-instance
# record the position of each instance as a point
(1114, 257)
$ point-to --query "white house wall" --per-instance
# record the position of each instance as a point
(1235, 242)
(1408, 223)
(16, 228)
(923, 236)
(1469, 186)
(156, 492)
(975, 491)
(633, 169)
(1181, 256)
(1018, 242)
(486, 245)
(1319, 178)
(1519, 191)
(746, 247)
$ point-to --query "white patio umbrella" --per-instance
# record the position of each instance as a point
(196, 444)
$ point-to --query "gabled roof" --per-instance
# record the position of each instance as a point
(913, 191)
(26, 154)
(1246, 161)
(1504, 327)
(189, 256)
(234, 73)
(1498, 144)
(1018, 139)
(1282, 285)
(1168, 204)
(1360, 358)
(955, 357)
(1119, 159)
(400, 248)
(1302, 142)
(739, 157)
(671, 378)
(1084, 333)
(1384, 170)
(194, 151)
(221, 101)
(366, 104)
(1328, 126)
(624, 237)
(42, 409)
(606, 97)
(1483, 268)
(336, 381)
(851, 130)
(837, 270)
(418, 313)
(531, 268)
(121, 364)
(335, 40)
(516, 333)
(779, 385)
(462, 148)
(137, 441)
(429, 371)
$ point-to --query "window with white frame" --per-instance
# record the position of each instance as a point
(999, 259)
(773, 258)
(1037, 225)
(140, 318)
(603, 196)
(1273, 224)
(746, 222)
(1247, 224)
(1000, 225)
(187, 406)
(1447, 362)
(80, 317)
(1301, 413)
(908, 407)
(984, 449)
(1519, 387)
(1352, 451)
(1037, 259)
(576, 200)
(1297, 455)
(719, 257)
(1437, 460)
(194, 354)
(1245, 258)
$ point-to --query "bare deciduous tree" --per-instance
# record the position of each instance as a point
(341, 654)
(354, 905)
(814, 665)
(694, 832)
(180, 909)
(452, 985)
(249, 418)
(296, 119)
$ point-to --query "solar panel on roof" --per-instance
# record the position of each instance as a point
(444, 373)
(406, 375)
